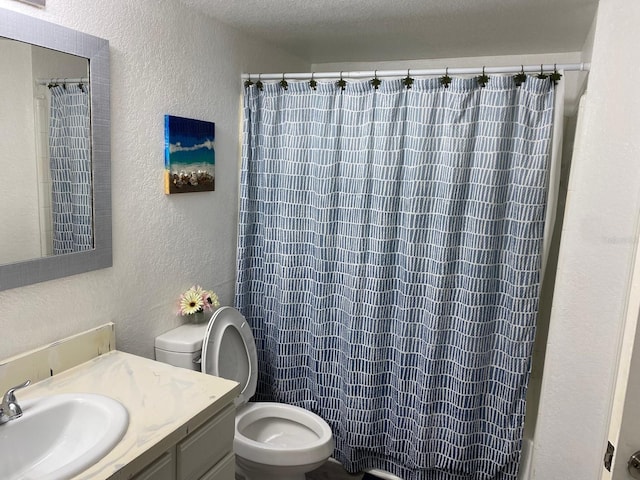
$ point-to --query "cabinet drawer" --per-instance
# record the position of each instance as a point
(162, 468)
(225, 470)
(202, 449)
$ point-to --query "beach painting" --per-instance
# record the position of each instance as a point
(189, 157)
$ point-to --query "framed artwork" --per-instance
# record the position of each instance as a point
(189, 158)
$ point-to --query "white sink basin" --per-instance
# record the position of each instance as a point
(60, 436)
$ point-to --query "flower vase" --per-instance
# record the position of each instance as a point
(198, 317)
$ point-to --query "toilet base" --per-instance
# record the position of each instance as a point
(248, 470)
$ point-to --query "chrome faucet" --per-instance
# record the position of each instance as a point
(10, 410)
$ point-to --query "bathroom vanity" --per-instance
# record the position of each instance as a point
(181, 422)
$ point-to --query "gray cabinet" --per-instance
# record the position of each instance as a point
(200, 451)
(204, 454)
(162, 468)
(224, 470)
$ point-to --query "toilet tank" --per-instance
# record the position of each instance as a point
(182, 346)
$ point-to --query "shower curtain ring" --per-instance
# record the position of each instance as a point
(283, 83)
(342, 83)
(542, 75)
(446, 80)
(555, 76)
(521, 77)
(259, 83)
(312, 83)
(375, 82)
(483, 79)
(408, 81)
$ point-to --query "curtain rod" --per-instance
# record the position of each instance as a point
(47, 81)
(419, 72)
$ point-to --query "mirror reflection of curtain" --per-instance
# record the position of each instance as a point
(70, 160)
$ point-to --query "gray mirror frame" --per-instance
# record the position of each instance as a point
(44, 34)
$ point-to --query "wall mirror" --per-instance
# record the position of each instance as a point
(55, 202)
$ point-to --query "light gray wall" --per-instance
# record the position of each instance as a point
(20, 238)
(165, 59)
(596, 257)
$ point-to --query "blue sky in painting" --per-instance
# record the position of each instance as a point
(188, 143)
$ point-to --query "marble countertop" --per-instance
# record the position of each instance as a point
(165, 404)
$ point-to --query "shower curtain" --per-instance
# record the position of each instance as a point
(70, 163)
(389, 261)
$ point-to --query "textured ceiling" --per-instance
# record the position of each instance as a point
(322, 31)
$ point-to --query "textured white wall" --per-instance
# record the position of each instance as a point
(596, 257)
(165, 59)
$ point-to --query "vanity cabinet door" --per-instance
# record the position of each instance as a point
(206, 446)
(224, 470)
(163, 468)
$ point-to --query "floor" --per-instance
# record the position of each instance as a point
(332, 471)
(329, 471)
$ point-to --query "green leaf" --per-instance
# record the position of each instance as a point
(520, 78)
(313, 84)
(342, 83)
(248, 83)
(555, 77)
(284, 84)
(407, 81)
(445, 81)
(375, 83)
(482, 80)
(259, 85)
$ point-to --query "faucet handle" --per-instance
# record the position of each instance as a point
(10, 397)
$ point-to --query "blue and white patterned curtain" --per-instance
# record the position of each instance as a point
(389, 264)
(70, 160)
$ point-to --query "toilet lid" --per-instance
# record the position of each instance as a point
(229, 351)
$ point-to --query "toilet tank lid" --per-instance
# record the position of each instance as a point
(184, 339)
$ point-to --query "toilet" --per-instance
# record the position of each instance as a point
(272, 440)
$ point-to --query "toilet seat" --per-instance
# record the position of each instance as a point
(229, 351)
(272, 441)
